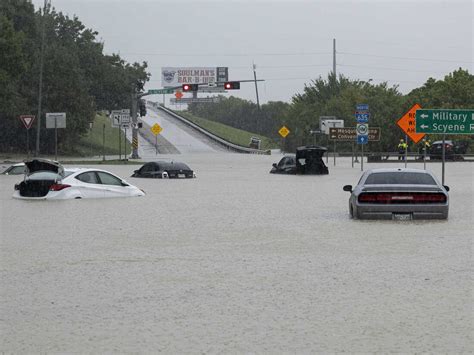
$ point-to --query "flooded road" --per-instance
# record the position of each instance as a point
(236, 260)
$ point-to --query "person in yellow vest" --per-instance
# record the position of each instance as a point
(402, 147)
(424, 147)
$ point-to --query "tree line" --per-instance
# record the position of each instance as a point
(78, 78)
(338, 97)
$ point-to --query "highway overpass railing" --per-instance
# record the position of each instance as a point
(222, 142)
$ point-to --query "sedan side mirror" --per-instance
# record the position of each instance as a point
(347, 188)
(275, 165)
(124, 183)
(446, 187)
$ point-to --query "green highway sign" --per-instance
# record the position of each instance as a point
(445, 121)
(160, 91)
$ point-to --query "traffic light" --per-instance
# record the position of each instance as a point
(142, 108)
(232, 85)
(190, 87)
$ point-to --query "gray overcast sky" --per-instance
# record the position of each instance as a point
(401, 42)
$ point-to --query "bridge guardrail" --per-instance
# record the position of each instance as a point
(230, 146)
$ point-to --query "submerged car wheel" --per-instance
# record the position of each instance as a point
(351, 211)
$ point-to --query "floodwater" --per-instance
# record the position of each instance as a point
(235, 261)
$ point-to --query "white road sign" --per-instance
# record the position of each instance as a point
(326, 123)
(120, 117)
(362, 129)
(56, 120)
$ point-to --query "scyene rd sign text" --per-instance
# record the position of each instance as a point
(445, 121)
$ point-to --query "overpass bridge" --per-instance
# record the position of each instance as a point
(180, 135)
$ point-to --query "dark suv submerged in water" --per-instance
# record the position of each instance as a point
(453, 150)
(308, 160)
(164, 170)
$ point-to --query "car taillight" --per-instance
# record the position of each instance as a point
(58, 187)
(401, 198)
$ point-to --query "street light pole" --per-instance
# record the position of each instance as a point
(40, 89)
(256, 87)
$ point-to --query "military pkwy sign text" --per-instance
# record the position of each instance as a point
(445, 121)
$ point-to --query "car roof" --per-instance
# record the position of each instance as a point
(171, 163)
(83, 170)
(396, 170)
(441, 142)
(312, 147)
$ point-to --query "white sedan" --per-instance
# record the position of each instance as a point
(48, 180)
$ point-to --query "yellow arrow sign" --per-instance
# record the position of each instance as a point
(284, 131)
(156, 129)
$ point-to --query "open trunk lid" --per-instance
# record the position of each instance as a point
(37, 164)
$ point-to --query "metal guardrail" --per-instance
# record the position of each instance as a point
(392, 156)
(228, 145)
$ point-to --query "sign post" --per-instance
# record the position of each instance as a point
(160, 91)
(349, 134)
(27, 122)
(283, 132)
(362, 116)
(407, 124)
(444, 121)
(56, 120)
(156, 129)
(362, 130)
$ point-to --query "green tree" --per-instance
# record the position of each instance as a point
(77, 77)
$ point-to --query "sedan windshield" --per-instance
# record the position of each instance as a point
(400, 178)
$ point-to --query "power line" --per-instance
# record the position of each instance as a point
(405, 58)
(224, 54)
(385, 68)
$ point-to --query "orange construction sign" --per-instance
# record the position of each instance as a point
(408, 123)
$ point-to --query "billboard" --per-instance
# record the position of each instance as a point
(177, 76)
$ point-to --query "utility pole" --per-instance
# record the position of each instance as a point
(256, 87)
(40, 89)
(334, 57)
(134, 124)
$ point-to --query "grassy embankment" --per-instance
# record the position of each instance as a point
(92, 143)
(230, 134)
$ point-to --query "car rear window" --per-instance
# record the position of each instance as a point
(174, 166)
(402, 178)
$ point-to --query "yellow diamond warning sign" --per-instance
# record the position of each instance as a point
(156, 129)
(284, 131)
